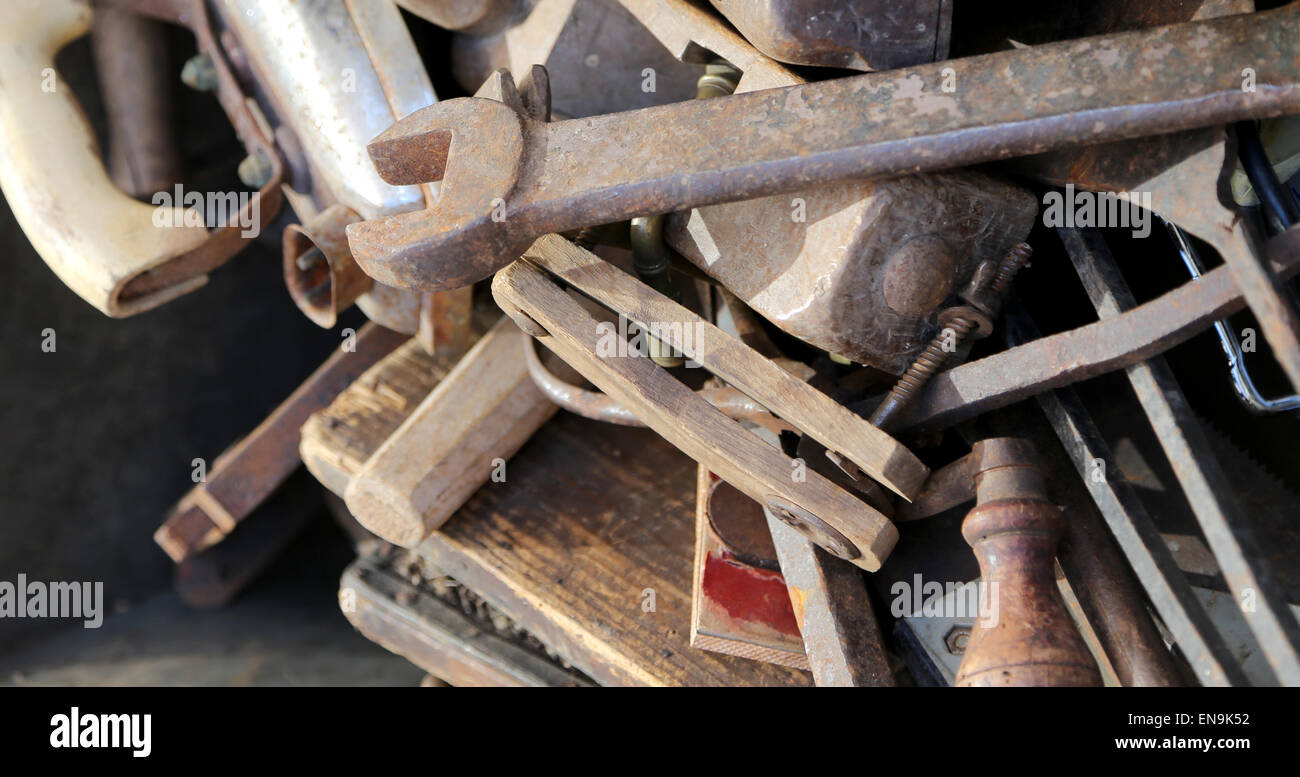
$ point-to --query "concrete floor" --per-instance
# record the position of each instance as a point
(284, 630)
(97, 442)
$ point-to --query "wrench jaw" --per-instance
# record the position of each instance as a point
(475, 147)
(423, 250)
(410, 160)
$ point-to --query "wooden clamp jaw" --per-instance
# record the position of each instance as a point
(831, 517)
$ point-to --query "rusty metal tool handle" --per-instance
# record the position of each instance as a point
(1057, 360)
(251, 469)
(1024, 635)
(508, 179)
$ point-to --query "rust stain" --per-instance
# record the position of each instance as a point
(798, 603)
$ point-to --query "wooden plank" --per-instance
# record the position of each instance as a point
(832, 517)
(590, 517)
(437, 637)
(817, 415)
(246, 474)
(337, 442)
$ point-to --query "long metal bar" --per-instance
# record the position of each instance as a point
(508, 179)
(1057, 360)
(1171, 594)
(1208, 490)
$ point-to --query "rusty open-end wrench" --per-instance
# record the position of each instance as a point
(508, 179)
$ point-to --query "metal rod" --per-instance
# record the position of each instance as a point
(1242, 383)
(1244, 565)
(1153, 563)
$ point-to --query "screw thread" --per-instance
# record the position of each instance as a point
(587, 237)
(935, 354)
(921, 370)
(1011, 264)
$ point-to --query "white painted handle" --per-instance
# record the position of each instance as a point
(94, 237)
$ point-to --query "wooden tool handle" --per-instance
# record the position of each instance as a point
(94, 237)
(1024, 634)
(482, 412)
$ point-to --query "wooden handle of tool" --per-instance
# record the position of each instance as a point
(484, 410)
(94, 237)
(1024, 635)
(251, 469)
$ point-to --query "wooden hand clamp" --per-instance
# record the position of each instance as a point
(830, 516)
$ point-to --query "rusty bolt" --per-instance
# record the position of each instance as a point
(199, 73)
(255, 170)
(984, 296)
(993, 279)
(956, 639)
(719, 80)
(820, 532)
(525, 322)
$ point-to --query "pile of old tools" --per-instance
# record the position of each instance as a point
(857, 302)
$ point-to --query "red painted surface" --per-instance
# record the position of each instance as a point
(748, 593)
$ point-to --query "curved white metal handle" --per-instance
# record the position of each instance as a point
(94, 237)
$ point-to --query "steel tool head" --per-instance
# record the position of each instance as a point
(475, 147)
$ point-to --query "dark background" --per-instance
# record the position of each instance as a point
(96, 441)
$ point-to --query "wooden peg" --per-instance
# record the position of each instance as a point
(1024, 634)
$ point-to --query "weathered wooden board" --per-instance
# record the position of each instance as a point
(448, 447)
(587, 543)
(437, 637)
(336, 442)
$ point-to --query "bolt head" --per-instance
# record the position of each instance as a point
(814, 528)
(919, 276)
(956, 640)
(199, 73)
(255, 170)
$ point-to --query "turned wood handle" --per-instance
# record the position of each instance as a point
(1024, 635)
(94, 237)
